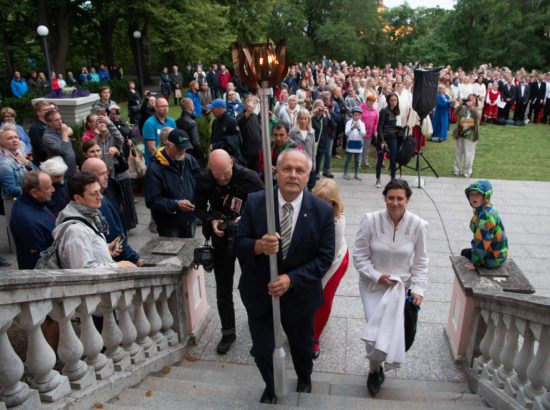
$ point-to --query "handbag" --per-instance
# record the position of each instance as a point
(177, 93)
(136, 163)
(411, 318)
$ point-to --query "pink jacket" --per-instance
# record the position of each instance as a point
(370, 119)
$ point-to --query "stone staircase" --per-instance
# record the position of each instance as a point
(206, 384)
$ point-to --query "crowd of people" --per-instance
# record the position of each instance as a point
(86, 209)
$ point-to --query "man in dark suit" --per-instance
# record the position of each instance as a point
(508, 95)
(522, 99)
(306, 233)
(546, 103)
(540, 97)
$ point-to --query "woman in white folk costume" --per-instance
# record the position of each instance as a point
(391, 258)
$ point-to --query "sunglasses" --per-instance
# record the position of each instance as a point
(115, 112)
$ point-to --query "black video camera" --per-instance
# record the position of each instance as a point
(230, 228)
(204, 255)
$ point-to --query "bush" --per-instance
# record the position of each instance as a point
(205, 130)
(22, 106)
(78, 131)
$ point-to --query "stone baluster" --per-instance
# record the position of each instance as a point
(142, 324)
(92, 340)
(522, 360)
(70, 348)
(13, 392)
(166, 316)
(154, 318)
(40, 356)
(538, 368)
(496, 347)
(543, 403)
(485, 345)
(508, 354)
(129, 332)
(112, 336)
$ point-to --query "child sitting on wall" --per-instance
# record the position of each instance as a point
(490, 244)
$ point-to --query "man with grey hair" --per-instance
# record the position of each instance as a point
(31, 221)
(304, 246)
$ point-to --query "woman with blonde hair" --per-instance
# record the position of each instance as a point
(327, 190)
(303, 134)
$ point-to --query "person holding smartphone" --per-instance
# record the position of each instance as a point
(391, 258)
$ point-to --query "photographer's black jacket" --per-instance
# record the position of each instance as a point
(209, 196)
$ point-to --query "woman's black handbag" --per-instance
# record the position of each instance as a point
(411, 317)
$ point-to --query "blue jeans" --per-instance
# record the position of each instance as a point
(349, 156)
(327, 156)
(392, 146)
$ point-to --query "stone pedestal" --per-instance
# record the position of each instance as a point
(72, 110)
(507, 278)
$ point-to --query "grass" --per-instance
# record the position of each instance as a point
(502, 152)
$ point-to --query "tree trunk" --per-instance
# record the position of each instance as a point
(106, 31)
(61, 49)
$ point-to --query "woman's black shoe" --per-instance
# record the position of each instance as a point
(315, 354)
(373, 383)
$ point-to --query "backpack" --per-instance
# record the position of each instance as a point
(406, 150)
(49, 259)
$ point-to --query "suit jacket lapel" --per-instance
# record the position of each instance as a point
(298, 237)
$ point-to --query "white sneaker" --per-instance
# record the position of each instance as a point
(378, 184)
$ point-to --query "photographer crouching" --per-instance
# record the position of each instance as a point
(220, 195)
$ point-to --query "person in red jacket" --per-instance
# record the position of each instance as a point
(225, 77)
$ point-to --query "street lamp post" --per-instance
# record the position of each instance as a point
(43, 33)
(137, 36)
(261, 67)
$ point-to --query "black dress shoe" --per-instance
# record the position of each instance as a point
(225, 343)
(373, 383)
(382, 377)
(315, 354)
(328, 174)
(268, 397)
(304, 386)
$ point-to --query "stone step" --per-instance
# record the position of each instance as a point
(148, 399)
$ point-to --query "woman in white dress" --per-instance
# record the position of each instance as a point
(391, 258)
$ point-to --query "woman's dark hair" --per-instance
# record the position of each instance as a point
(86, 145)
(396, 109)
(88, 119)
(398, 184)
(77, 184)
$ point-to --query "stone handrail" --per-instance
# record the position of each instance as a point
(508, 353)
(144, 330)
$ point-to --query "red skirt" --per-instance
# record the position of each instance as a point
(454, 118)
(490, 111)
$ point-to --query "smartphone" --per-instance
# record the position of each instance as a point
(119, 242)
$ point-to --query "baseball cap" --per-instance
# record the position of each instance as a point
(217, 103)
(357, 109)
(180, 139)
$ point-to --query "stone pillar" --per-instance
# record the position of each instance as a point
(522, 360)
(70, 349)
(485, 345)
(166, 316)
(13, 392)
(112, 336)
(538, 368)
(92, 340)
(508, 354)
(129, 332)
(496, 347)
(142, 324)
(154, 318)
(40, 356)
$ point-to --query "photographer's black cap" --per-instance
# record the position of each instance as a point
(180, 139)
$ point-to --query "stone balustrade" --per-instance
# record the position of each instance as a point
(143, 312)
(508, 354)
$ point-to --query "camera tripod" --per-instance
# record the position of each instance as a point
(420, 156)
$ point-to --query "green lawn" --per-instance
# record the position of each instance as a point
(503, 152)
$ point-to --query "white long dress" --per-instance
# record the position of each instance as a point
(401, 252)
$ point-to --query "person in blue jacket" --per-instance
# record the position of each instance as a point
(441, 115)
(113, 228)
(170, 187)
(18, 85)
(31, 222)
